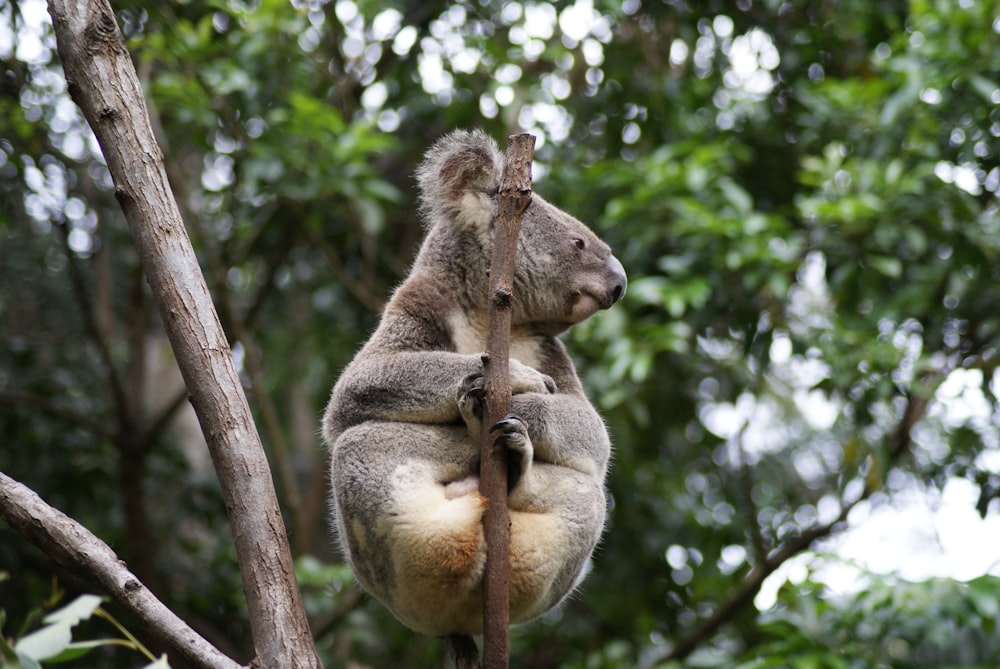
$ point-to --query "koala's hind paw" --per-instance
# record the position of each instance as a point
(514, 436)
(513, 433)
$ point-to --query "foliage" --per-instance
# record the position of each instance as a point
(53, 643)
(937, 623)
(805, 198)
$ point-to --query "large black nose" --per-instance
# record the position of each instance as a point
(618, 281)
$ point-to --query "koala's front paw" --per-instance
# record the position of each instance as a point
(514, 436)
(470, 401)
(524, 379)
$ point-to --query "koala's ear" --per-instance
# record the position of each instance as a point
(460, 177)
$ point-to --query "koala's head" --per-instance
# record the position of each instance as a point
(563, 274)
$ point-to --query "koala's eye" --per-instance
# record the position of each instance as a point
(579, 244)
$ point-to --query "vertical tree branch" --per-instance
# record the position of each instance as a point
(102, 80)
(463, 652)
(514, 198)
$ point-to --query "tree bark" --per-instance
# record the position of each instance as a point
(72, 547)
(463, 652)
(514, 198)
(102, 80)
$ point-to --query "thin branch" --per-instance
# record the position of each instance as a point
(159, 422)
(513, 200)
(333, 618)
(301, 411)
(272, 425)
(132, 450)
(75, 549)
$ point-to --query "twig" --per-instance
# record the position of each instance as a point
(159, 422)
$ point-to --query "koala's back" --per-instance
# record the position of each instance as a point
(402, 420)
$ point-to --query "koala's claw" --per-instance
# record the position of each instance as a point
(509, 422)
(475, 379)
(470, 396)
(513, 433)
(514, 436)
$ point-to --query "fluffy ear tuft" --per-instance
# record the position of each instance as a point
(460, 177)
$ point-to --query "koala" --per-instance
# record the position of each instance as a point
(403, 420)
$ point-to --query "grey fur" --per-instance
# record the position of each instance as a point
(402, 419)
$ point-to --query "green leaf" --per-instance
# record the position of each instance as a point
(382, 190)
(79, 609)
(53, 639)
(887, 266)
(740, 200)
(47, 642)
(899, 102)
(983, 594)
(79, 649)
(27, 662)
(372, 216)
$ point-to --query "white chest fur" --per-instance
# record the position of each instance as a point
(469, 336)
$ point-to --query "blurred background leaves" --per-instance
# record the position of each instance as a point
(804, 195)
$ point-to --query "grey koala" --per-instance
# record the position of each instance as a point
(403, 419)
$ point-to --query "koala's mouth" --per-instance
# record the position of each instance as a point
(585, 305)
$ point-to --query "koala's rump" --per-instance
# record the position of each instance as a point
(420, 550)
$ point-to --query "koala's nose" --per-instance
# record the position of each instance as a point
(618, 281)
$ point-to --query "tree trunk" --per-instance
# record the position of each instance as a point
(103, 82)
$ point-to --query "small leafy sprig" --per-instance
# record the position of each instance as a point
(53, 642)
